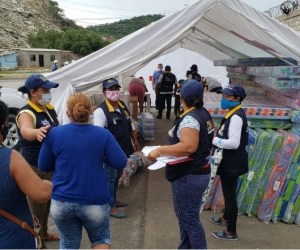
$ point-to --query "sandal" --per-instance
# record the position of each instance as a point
(122, 204)
(52, 237)
(120, 214)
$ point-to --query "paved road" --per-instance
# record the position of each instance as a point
(12, 83)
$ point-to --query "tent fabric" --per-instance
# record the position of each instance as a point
(216, 29)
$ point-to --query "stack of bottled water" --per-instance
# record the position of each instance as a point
(148, 126)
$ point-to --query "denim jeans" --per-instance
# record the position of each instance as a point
(113, 176)
(187, 193)
(71, 217)
(229, 185)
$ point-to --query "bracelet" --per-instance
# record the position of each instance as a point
(220, 141)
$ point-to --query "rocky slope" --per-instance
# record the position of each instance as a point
(18, 18)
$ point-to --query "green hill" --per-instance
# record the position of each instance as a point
(124, 27)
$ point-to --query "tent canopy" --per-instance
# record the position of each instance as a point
(216, 29)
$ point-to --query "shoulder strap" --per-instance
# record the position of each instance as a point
(30, 113)
(24, 224)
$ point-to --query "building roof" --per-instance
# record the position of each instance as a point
(6, 52)
(38, 49)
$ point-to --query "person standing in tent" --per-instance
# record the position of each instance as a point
(113, 115)
(155, 78)
(166, 87)
(232, 137)
(54, 66)
(191, 135)
(194, 73)
(34, 121)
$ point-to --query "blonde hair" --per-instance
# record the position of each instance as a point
(79, 107)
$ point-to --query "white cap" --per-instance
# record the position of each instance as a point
(55, 61)
(73, 61)
(66, 63)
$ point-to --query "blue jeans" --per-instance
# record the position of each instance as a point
(187, 192)
(113, 176)
(70, 217)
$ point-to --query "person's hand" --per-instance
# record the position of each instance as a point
(136, 146)
(153, 154)
(42, 133)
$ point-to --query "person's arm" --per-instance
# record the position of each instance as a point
(29, 183)
(134, 140)
(46, 161)
(153, 81)
(176, 86)
(99, 118)
(189, 140)
(28, 132)
(234, 134)
(113, 153)
(190, 77)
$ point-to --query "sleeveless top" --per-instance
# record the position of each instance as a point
(13, 201)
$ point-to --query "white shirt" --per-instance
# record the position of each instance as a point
(234, 134)
(100, 118)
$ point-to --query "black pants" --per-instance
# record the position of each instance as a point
(177, 105)
(162, 99)
(157, 101)
(229, 185)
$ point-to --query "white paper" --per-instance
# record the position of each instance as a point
(157, 165)
(146, 150)
(168, 159)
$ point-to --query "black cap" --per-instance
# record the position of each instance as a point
(168, 68)
(194, 67)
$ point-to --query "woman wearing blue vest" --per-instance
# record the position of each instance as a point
(191, 135)
(232, 137)
(16, 181)
(34, 121)
(115, 116)
(75, 152)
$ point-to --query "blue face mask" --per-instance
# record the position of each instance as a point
(226, 104)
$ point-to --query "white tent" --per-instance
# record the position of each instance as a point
(180, 61)
(216, 29)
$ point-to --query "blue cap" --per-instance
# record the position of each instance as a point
(109, 83)
(233, 89)
(39, 81)
(192, 87)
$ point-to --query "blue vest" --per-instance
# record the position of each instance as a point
(235, 161)
(119, 124)
(31, 149)
(196, 76)
(167, 82)
(201, 156)
(13, 201)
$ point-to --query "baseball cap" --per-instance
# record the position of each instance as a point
(39, 81)
(233, 89)
(109, 83)
(191, 87)
(168, 68)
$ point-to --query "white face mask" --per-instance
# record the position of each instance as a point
(46, 99)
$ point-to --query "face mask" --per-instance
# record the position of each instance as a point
(5, 132)
(113, 95)
(227, 104)
(159, 69)
(46, 99)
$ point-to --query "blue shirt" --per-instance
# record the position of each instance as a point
(13, 201)
(54, 67)
(156, 76)
(75, 153)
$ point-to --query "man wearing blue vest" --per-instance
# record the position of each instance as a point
(166, 87)
(54, 66)
(232, 137)
(155, 78)
(113, 115)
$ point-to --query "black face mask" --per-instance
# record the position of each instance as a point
(5, 132)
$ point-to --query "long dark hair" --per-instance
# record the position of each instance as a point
(193, 101)
(25, 91)
(3, 114)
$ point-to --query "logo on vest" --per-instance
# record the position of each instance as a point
(210, 126)
(45, 122)
(220, 131)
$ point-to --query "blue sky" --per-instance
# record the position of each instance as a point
(93, 12)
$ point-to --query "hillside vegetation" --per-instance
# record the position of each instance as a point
(124, 27)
